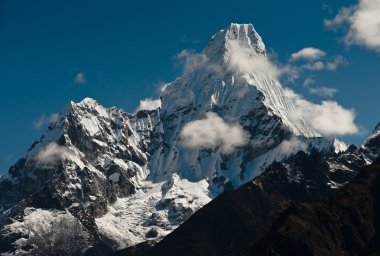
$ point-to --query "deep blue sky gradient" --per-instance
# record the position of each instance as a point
(126, 48)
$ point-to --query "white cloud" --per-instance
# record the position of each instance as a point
(323, 91)
(292, 146)
(320, 91)
(213, 131)
(149, 104)
(51, 153)
(293, 70)
(315, 66)
(308, 53)
(42, 120)
(161, 87)
(243, 59)
(328, 118)
(80, 78)
(342, 17)
(363, 22)
(192, 61)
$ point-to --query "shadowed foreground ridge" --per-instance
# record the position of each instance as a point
(345, 224)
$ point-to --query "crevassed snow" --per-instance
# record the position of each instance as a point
(154, 206)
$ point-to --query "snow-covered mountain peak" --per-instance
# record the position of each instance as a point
(89, 105)
(88, 102)
(219, 47)
(233, 77)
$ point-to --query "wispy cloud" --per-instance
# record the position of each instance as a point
(309, 59)
(192, 60)
(323, 91)
(292, 146)
(308, 82)
(335, 63)
(161, 87)
(361, 23)
(213, 131)
(80, 79)
(51, 153)
(43, 120)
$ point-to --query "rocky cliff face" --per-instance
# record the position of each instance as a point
(115, 179)
(344, 224)
(85, 161)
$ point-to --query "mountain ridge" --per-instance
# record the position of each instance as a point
(344, 223)
(120, 179)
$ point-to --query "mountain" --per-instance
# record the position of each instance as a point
(100, 179)
(253, 99)
(84, 162)
(234, 220)
(343, 224)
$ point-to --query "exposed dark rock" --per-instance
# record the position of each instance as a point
(344, 224)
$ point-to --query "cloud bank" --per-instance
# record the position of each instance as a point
(213, 131)
(328, 118)
(361, 23)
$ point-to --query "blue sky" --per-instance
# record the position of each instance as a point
(125, 49)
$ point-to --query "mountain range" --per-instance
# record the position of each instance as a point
(222, 167)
